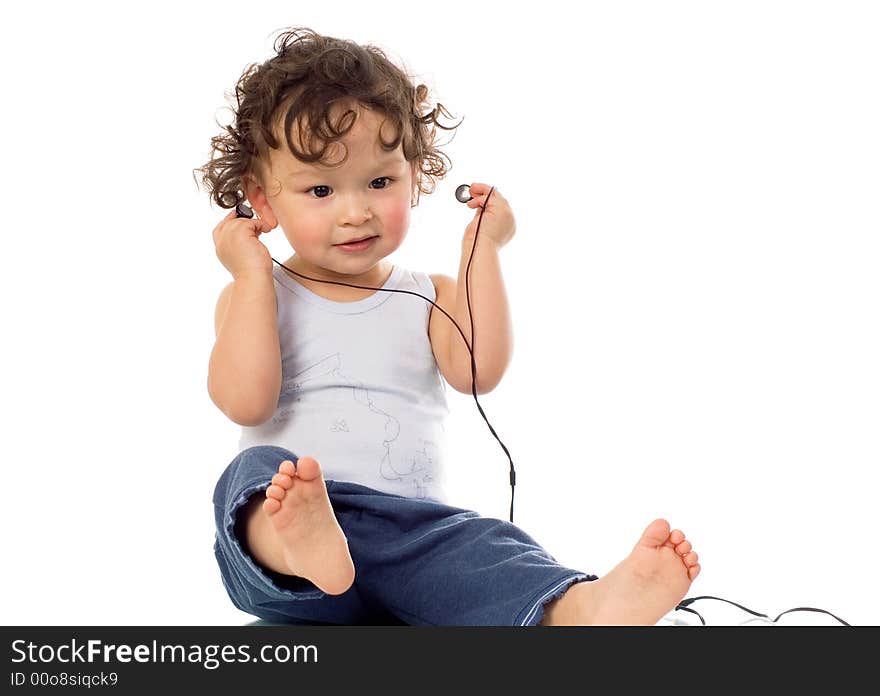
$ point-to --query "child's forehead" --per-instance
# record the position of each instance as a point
(363, 142)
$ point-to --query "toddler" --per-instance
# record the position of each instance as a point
(334, 510)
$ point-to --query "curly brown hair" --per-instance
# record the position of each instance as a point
(310, 75)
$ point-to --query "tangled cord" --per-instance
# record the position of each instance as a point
(242, 210)
(684, 605)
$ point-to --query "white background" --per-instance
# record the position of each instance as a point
(694, 283)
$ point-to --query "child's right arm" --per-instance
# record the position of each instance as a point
(244, 372)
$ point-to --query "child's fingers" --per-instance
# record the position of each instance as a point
(480, 189)
(220, 224)
(256, 225)
(479, 193)
(480, 201)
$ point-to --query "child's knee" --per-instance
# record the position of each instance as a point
(259, 462)
(252, 467)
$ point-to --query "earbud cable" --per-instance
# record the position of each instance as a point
(684, 605)
(470, 345)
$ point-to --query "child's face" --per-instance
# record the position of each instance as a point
(320, 207)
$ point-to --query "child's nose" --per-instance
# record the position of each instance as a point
(354, 211)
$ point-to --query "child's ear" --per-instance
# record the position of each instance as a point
(256, 195)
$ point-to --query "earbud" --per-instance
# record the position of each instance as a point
(241, 210)
(463, 193)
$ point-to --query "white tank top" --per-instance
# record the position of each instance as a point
(361, 391)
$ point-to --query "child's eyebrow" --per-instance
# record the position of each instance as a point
(387, 159)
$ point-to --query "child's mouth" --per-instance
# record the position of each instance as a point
(357, 246)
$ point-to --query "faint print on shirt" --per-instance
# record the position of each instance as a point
(417, 470)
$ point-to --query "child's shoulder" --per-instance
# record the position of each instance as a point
(444, 286)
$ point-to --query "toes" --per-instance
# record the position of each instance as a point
(683, 548)
(656, 533)
(287, 467)
(676, 537)
(694, 571)
(271, 506)
(307, 468)
(276, 492)
(282, 480)
(691, 559)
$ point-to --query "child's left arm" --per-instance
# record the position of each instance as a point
(491, 315)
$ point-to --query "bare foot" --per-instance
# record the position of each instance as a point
(313, 543)
(640, 590)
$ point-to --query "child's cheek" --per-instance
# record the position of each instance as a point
(397, 222)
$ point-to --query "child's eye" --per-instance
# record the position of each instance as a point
(315, 188)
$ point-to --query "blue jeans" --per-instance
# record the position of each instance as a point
(417, 561)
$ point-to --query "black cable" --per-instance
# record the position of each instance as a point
(242, 210)
(692, 611)
(685, 603)
(467, 288)
(812, 609)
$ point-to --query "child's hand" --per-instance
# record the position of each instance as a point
(238, 246)
(498, 222)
